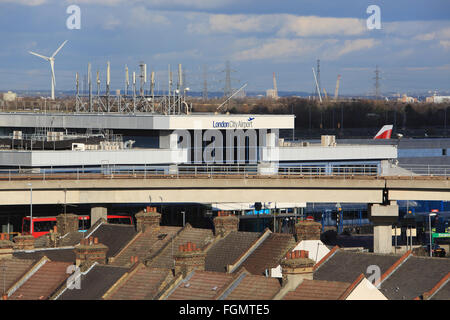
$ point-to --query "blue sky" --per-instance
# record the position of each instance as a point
(412, 48)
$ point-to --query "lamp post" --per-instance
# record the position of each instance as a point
(184, 217)
(429, 225)
(31, 207)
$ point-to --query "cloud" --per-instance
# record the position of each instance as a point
(283, 25)
(25, 2)
(281, 49)
(177, 55)
(442, 36)
(140, 16)
(355, 45)
(445, 44)
(307, 26)
(192, 4)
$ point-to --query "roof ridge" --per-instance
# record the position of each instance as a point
(264, 235)
(94, 228)
(161, 282)
(122, 280)
(427, 295)
(352, 287)
(63, 286)
(114, 258)
(397, 264)
(328, 256)
(156, 254)
(27, 275)
(177, 282)
(231, 285)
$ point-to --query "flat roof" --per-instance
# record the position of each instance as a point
(145, 121)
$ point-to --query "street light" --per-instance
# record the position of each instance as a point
(31, 207)
(184, 217)
(429, 225)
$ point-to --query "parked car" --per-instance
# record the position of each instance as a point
(437, 251)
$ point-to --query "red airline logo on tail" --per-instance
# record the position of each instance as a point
(385, 132)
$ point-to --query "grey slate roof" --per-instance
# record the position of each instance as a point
(114, 236)
(346, 266)
(414, 277)
(95, 283)
(58, 254)
(269, 253)
(227, 250)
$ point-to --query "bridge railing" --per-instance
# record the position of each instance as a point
(428, 170)
(210, 171)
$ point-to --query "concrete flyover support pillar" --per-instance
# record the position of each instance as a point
(98, 213)
(168, 139)
(382, 217)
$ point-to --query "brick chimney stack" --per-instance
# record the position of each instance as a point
(148, 220)
(66, 223)
(90, 251)
(224, 223)
(295, 268)
(189, 257)
(24, 242)
(308, 230)
(53, 238)
(6, 246)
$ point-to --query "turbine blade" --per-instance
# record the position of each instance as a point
(39, 55)
(57, 50)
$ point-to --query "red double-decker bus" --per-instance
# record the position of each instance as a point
(43, 225)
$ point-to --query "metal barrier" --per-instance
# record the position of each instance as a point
(238, 171)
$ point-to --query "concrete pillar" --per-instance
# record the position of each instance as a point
(382, 238)
(98, 213)
(168, 140)
(383, 217)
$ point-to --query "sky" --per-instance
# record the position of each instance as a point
(258, 37)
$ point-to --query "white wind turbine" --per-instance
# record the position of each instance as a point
(52, 65)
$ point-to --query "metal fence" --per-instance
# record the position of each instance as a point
(213, 171)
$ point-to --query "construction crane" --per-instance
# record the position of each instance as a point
(325, 94)
(336, 92)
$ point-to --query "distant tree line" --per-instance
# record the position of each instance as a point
(350, 114)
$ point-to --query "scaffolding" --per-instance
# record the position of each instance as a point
(136, 101)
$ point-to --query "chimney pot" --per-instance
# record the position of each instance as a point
(95, 240)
